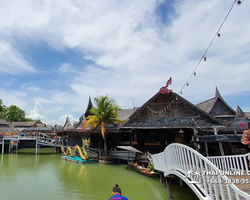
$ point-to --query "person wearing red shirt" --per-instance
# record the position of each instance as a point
(246, 136)
(117, 194)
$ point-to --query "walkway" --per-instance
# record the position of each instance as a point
(204, 175)
(40, 138)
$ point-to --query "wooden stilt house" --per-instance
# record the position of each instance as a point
(234, 122)
(165, 119)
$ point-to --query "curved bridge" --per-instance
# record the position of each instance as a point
(200, 174)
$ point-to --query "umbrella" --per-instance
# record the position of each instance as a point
(129, 148)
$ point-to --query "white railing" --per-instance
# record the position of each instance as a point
(40, 137)
(202, 176)
(231, 163)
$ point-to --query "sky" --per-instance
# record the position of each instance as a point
(55, 54)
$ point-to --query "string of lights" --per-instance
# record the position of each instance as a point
(204, 58)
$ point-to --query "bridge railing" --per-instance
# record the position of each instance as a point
(202, 176)
(41, 137)
(231, 163)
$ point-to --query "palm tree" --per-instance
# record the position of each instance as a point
(105, 111)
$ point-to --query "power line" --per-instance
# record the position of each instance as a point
(204, 55)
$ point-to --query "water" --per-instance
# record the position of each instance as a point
(41, 177)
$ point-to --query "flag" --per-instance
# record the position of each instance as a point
(83, 127)
(67, 127)
(242, 124)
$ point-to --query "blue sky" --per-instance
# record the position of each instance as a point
(55, 54)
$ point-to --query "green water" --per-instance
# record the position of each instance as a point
(42, 177)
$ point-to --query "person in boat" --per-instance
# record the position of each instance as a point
(246, 136)
(117, 194)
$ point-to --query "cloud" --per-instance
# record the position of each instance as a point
(126, 50)
(37, 112)
(11, 61)
(66, 68)
(43, 100)
(33, 88)
(61, 120)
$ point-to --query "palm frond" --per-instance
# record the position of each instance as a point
(92, 120)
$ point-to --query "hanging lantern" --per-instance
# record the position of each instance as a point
(181, 92)
(194, 73)
(187, 84)
(205, 59)
(218, 34)
(176, 98)
(239, 3)
(181, 131)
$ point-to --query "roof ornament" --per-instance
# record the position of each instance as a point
(165, 90)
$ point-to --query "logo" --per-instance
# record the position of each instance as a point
(193, 176)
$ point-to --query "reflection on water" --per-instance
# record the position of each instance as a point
(33, 177)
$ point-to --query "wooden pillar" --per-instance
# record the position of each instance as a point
(195, 135)
(9, 146)
(207, 154)
(161, 178)
(3, 146)
(36, 146)
(220, 144)
(131, 139)
(169, 188)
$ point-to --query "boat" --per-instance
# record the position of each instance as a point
(141, 170)
(131, 157)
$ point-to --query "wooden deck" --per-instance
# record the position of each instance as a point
(244, 185)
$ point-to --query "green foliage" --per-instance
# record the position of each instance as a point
(15, 114)
(105, 111)
(3, 110)
(29, 120)
(38, 121)
(151, 167)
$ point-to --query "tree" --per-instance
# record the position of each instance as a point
(105, 111)
(3, 110)
(15, 114)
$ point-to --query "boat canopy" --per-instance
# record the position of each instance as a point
(129, 148)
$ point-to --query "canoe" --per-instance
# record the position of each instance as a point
(141, 171)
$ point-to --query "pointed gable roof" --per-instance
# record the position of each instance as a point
(241, 120)
(67, 125)
(169, 111)
(85, 114)
(211, 106)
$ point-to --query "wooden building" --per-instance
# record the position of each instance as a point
(234, 123)
(165, 119)
(78, 131)
(211, 127)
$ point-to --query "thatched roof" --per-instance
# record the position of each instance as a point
(208, 105)
(124, 114)
(4, 122)
(23, 124)
(169, 118)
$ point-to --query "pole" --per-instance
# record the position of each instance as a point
(220, 144)
(3, 146)
(36, 146)
(169, 188)
(9, 146)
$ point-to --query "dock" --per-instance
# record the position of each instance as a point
(76, 159)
